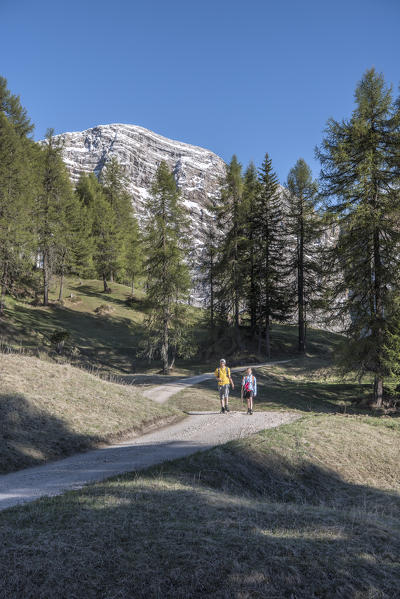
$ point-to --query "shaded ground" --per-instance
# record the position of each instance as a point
(49, 411)
(183, 438)
(305, 511)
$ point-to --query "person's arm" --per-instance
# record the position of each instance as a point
(216, 374)
(255, 386)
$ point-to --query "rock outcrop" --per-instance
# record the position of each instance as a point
(197, 171)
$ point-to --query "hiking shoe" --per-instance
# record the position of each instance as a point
(222, 410)
(251, 412)
(227, 409)
(248, 411)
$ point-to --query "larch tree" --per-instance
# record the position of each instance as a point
(168, 279)
(270, 254)
(305, 225)
(229, 220)
(251, 190)
(55, 193)
(361, 173)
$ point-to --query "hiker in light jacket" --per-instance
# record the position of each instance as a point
(249, 389)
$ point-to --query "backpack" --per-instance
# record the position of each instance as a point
(228, 372)
(247, 384)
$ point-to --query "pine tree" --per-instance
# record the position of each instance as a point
(133, 257)
(305, 225)
(360, 171)
(270, 263)
(168, 279)
(106, 237)
(251, 189)
(114, 183)
(229, 214)
(12, 109)
(55, 194)
(208, 259)
(16, 199)
(74, 251)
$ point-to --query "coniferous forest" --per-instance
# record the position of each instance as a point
(323, 251)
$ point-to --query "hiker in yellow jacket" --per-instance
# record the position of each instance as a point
(223, 375)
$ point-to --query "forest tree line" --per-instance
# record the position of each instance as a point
(262, 259)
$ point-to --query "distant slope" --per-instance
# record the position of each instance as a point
(49, 410)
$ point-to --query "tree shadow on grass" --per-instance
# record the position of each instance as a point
(112, 342)
(173, 532)
(139, 304)
(29, 437)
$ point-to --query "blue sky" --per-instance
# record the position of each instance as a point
(237, 77)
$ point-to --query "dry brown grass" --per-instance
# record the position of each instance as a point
(49, 410)
(310, 510)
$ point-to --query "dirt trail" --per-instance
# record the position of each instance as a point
(194, 433)
(161, 393)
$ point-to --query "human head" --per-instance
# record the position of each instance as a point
(248, 371)
(222, 362)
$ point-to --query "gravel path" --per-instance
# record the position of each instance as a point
(192, 434)
(161, 393)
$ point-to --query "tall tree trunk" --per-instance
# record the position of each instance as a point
(378, 391)
(267, 338)
(46, 276)
(105, 286)
(60, 295)
(379, 317)
(253, 303)
(132, 286)
(300, 284)
(164, 344)
(211, 293)
(111, 277)
(259, 339)
(3, 290)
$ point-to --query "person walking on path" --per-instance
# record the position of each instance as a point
(249, 389)
(223, 375)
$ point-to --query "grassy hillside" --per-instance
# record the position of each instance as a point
(110, 340)
(309, 510)
(49, 410)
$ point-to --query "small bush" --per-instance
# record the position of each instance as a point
(104, 310)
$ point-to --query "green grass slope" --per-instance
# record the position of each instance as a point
(111, 341)
(310, 510)
(49, 410)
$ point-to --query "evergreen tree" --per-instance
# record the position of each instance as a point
(209, 259)
(133, 258)
(16, 199)
(360, 171)
(251, 190)
(55, 194)
(270, 261)
(168, 279)
(114, 182)
(304, 224)
(74, 252)
(12, 109)
(229, 214)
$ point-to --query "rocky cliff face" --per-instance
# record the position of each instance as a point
(140, 151)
